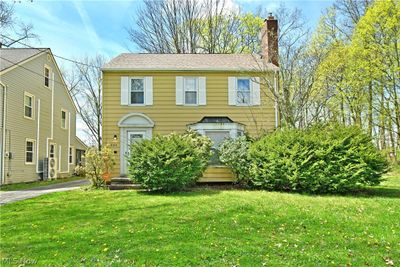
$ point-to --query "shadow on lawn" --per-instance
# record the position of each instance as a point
(378, 192)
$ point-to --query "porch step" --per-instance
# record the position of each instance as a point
(114, 186)
(121, 180)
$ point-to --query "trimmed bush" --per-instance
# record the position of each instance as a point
(169, 163)
(321, 159)
(234, 154)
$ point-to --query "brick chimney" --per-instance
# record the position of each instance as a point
(269, 40)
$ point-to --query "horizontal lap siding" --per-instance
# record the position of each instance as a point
(168, 117)
(30, 79)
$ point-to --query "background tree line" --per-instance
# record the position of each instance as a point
(346, 70)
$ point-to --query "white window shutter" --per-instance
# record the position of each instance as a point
(202, 91)
(232, 91)
(255, 91)
(148, 91)
(179, 90)
(124, 91)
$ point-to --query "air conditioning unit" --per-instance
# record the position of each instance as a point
(52, 168)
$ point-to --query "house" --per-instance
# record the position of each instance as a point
(218, 95)
(38, 118)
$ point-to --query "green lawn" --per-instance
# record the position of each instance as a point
(21, 186)
(204, 228)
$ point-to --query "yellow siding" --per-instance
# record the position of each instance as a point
(218, 174)
(168, 117)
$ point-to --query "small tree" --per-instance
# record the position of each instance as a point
(98, 163)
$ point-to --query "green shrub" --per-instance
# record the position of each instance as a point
(169, 163)
(234, 154)
(97, 164)
(321, 159)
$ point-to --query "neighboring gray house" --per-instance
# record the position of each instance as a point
(37, 118)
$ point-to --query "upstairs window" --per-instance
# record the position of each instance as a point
(191, 90)
(63, 119)
(137, 91)
(29, 151)
(243, 91)
(28, 106)
(46, 76)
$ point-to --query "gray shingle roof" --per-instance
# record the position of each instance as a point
(226, 62)
(11, 56)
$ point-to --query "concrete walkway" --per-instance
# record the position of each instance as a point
(12, 196)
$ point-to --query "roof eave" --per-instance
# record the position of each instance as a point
(188, 70)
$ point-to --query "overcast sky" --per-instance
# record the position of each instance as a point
(74, 29)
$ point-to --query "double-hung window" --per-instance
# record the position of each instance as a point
(46, 76)
(191, 90)
(137, 91)
(29, 151)
(243, 91)
(63, 119)
(70, 155)
(28, 105)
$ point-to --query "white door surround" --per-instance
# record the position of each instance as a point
(132, 126)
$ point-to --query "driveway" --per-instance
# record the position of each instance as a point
(12, 196)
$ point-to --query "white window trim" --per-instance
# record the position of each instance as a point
(232, 127)
(66, 119)
(44, 75)
(184, 90)
(130, 91)
(237, 91)
(33, 151)
(33, 106)
(72, 150)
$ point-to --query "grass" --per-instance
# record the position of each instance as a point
(204, 228)
(29, 185)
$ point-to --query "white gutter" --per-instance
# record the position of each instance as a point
(38, 137)
(3, 139)
(276, 101)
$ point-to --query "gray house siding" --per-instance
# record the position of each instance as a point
(29, 79)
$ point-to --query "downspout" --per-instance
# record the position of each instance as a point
(38, 137)
(52, 117)
(3, 136)
(276, 101)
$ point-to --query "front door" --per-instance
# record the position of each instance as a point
(131, 137)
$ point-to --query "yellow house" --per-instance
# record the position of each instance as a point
(218, 95)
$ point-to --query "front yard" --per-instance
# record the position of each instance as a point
(204, 227)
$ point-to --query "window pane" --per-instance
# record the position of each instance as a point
(63, 115)
(28, 101)
(28, 112)
(190, 97)
(137, 85)
(190, 84)
(137, 97)
(29, 157)
(217, 137)
(243, 85)
(243, 97)
(29, 146)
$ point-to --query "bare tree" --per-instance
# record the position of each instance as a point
(85, 85)
(12, 30)
(167, 26)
